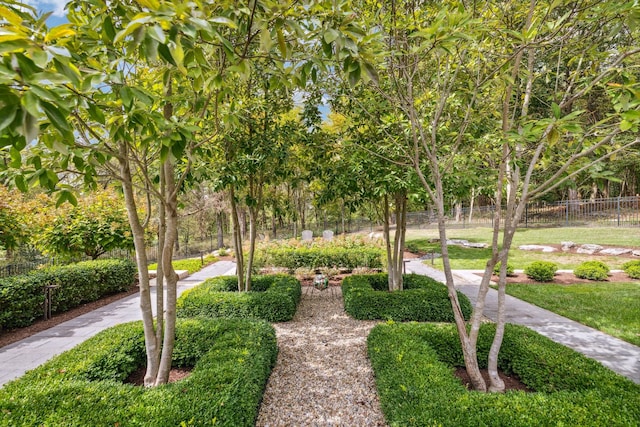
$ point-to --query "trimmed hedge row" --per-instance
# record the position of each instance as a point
(413, 366)
(273, 298)
(22, 297)
(314, 257)
(231, 360)
(423, 299)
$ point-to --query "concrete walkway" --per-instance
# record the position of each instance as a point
(21, 356)
(615, 354)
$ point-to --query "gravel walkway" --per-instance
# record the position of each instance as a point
(322, 376)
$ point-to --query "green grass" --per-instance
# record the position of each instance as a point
(192, 265)
(613, 308)
(475, 259)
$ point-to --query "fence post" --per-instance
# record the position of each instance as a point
(526, 215)
(618, 209)
(567, 214)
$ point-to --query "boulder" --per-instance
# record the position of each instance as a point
(589, 249)
(615, 251)
(537, 248)
(566, 246)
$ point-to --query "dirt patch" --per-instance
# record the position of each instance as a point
(176, 374)
(511, 382)
(14, 335)
(565, 279)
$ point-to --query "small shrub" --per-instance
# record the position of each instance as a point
(510, 270)
(632, 268)
(231, 360)
(541, 271)
(22, 297)
(592, 270)
(303, 273)
(366, 297)
(273, 298)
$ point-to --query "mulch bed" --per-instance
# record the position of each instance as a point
(511, 382)
(565, 279)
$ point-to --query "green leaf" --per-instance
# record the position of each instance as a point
(331, 35)
(30, 102)
(556, 110)
(108, 31)
(553, 136)
(7, 115)
(165, 54)
(56, 117)
(625, 125)
(20, 183)
(282, 45)
(223, 21)
(157, 33)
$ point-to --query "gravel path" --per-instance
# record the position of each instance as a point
(322, 375)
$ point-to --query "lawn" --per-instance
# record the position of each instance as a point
(475, 259)
(613, 308)
(192, 265)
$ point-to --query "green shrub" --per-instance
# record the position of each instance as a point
(510, 270)
(22, 297)
(349, 253)
(273, 298)
(592, 270)
(192, 265)
(413, 367)
(231, 360)
(366, 297)
(632, 268)
(541, 271)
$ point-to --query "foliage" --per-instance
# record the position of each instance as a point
(510, 270)
(610, 307)
(231, 361)
(96, 225)
(273, 298)
(22, 297)
(592, 270)
(632, 268)
(413, 367)
(349, 252)
(542, 271)
(366, 297)
(192, 265)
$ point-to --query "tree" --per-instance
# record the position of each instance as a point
(448, 67)
(96, 225)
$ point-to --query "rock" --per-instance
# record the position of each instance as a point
(615, 251)
(636, 252)
(567, 245)
(458, 242)
(476, 245)
(537, 248)
(589, 249)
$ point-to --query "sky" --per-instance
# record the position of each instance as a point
(57, 6)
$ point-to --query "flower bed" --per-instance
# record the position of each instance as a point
(231, 361)
(273, 298)
(423, 299)
(414, 363)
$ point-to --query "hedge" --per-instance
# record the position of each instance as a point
(366, 297)
(313, 257)
(273, 298)
(22, 297)
(413, 366)
(231, 360)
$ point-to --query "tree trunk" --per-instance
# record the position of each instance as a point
(395, 254)
(252, 248)
(237, 240)
(151, 344)
(220, 229)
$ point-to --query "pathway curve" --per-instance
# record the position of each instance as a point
(322, 375)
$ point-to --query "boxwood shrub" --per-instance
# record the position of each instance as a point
(22, 297)
(366, 297)
(231, 360)
(414, 363)
(273, 298)
(632, 268)
(592, 270)
(542, 271)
